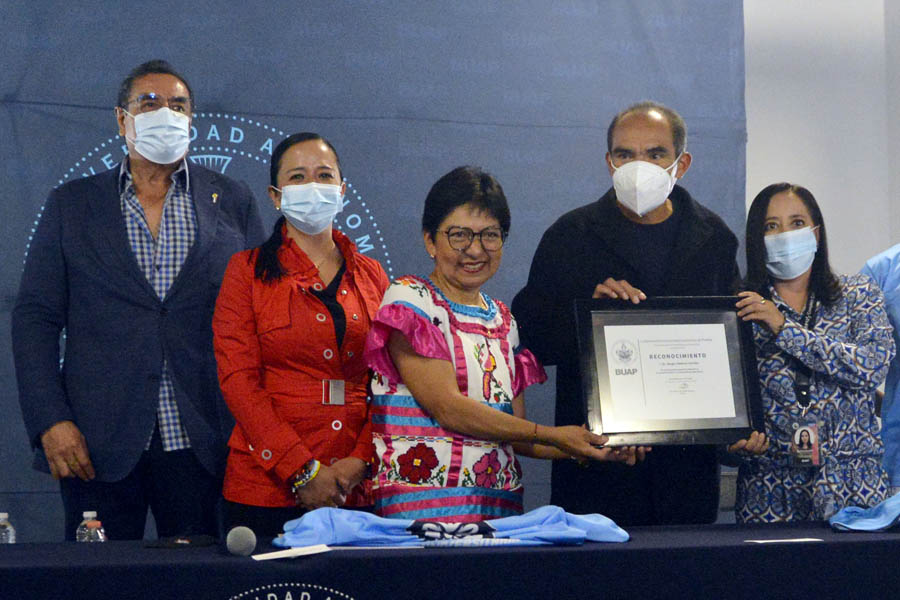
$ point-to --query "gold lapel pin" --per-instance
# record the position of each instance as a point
(215, 197)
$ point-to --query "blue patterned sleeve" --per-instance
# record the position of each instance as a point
(857, 345)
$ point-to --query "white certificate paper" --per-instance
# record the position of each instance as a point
(663, 372)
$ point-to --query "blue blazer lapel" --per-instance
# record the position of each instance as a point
(107, 220)
(205, 194)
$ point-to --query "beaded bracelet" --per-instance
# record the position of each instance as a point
(306, 474)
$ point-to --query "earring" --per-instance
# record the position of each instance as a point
(432, 256)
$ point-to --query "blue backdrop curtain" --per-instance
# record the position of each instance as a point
(406, 90)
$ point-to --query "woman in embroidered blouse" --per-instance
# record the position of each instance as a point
(823, 344)
(289, 329)
(448, 412)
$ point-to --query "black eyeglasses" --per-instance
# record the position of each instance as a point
(461, 238)
(150, 102)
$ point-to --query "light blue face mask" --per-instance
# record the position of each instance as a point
(161, 136)
(790, 254)
(311, 207)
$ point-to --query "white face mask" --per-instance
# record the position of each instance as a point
(790, 254)
(161, 136)
(311, 207)
(642, 186)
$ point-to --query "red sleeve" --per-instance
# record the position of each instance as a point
(383, 282)
(365, 449)
(272, 441)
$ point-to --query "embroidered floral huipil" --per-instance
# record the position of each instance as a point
(422, 470)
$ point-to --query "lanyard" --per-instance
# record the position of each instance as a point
(803, 376)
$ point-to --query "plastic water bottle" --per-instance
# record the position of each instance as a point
(7, 531)
(81, 533)
(90, 529)
(96, 533)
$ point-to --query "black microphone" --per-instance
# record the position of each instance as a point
(241, 541)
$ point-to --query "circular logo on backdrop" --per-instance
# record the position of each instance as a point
(291, 591)
(241, 148)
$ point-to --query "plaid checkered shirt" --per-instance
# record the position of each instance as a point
(160, 259)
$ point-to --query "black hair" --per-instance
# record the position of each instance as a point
(267, 267)
(823, 282)
(461, 186)
(291, 140)
(147, 68)
(679, 129)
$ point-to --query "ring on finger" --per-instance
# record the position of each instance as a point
(762, 300)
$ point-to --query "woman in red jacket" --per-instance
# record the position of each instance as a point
(290, 323)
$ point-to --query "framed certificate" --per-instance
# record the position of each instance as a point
(670, 370)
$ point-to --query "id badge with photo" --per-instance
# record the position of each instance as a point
(805, 444)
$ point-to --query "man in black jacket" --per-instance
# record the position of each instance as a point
(645, 237)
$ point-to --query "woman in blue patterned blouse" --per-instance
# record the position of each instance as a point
(823, 343)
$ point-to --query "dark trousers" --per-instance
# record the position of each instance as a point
(265, 521)
(174, 485)
(675, 485)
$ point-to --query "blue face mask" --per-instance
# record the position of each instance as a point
(790, 254)
(311, 207)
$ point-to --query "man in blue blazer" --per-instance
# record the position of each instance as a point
(127, 264)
